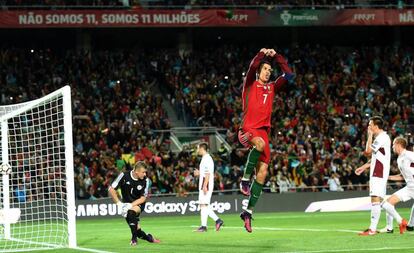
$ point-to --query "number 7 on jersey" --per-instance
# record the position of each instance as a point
(265, 97)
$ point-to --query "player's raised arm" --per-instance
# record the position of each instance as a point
(370, 147)
(254, 65)
(283, 64)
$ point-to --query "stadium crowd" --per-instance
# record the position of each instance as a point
(319, 120)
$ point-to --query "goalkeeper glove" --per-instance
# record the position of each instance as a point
(124, 208)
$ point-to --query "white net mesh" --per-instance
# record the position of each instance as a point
(36, 153)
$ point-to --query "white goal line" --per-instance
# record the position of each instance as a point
(49, 246)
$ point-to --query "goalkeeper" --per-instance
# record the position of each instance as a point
(134, 188)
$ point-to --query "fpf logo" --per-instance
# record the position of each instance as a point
(286, 17)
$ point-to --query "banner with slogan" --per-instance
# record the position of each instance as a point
(203, 18)
(126, 18)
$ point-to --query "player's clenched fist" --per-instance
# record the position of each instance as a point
(271, 52)
(263, 50)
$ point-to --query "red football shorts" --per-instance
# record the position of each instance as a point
(246, 135)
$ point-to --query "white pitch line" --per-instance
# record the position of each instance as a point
(54, 247)
(296, 229)
(307, 216)
(26, 250)
(92, 250)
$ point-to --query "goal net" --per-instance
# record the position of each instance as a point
(37, 205)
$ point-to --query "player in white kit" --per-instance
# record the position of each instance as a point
(410, 226)
(380, 150)
(206, 186)
(406, 166)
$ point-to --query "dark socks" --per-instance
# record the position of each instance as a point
(256, 191)
(132, 221)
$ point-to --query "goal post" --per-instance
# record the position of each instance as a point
(36, 141)
(5, 178)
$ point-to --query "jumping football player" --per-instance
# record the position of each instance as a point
(258, 94)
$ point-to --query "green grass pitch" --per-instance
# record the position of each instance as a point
(272, 232)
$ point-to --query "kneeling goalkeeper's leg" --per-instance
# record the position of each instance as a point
(150, 238)
(132, 221)
(142, 235)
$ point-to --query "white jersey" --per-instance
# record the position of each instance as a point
(381, 156)
(206, 167)
(406, 165)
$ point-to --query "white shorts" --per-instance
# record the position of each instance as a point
(377, 187)
(405, 194)
(204, 198)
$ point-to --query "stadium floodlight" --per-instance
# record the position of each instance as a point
(37, 202)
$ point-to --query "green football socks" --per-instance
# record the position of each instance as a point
(252, 159)
(255, 192)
